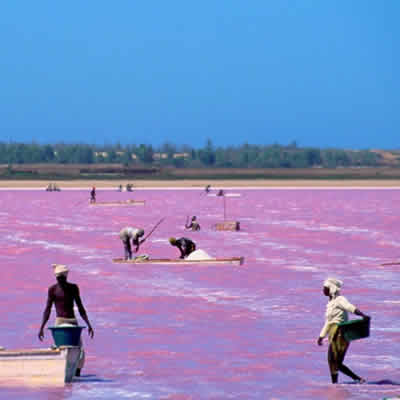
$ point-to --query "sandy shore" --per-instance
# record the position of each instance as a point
(215, 184)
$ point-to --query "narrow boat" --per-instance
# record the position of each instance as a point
(169, 261)
(222, 195)
(120, 203)
(228, 226)
(39, 366)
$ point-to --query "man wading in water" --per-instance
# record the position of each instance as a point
(336, 312)
(93, 195)
(64, 294)
(193, 225)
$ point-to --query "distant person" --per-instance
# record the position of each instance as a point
(207, 189)
(126, 235)
(336, 312)
(220, 192)
(185, 245)
(93, 195)
(193, 225)
(64, 295)
(120, 188)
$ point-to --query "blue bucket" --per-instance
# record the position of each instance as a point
(66, 335)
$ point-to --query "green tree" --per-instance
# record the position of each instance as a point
(313, 157)
(48, 153)
(207, 155)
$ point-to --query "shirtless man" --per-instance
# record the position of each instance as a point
(64, 294)
(194, 225)
(185, 246)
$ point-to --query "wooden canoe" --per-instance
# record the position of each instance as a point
(228, 226)
(39, 366)
(119, 203)
(226, 195)
(169, 261)
(391, 263)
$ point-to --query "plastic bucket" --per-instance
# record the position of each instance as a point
(66, 335)
(355, 329)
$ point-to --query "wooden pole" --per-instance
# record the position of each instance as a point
(158, 223)
(80, 202)
(224, 207)
(391, 263)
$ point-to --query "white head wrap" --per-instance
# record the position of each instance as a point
(333, 285)
(60, 269)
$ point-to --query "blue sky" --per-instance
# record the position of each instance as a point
(321, 73)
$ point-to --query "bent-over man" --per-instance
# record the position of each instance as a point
(126, 235)
(64, 294)
(185, 245)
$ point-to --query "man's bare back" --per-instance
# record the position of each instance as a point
(64, 295)
(63, 298)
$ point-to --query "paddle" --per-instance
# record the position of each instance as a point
(155, 227)
(80, 202)
(146, 237)
(391, 263)
(224, 207)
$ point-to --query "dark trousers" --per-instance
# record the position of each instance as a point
(127, 249)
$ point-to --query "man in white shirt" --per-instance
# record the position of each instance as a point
(336, 312)
(126, 235)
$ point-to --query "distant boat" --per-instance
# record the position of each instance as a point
(39, 366)
(391, 263)
(228, 226)
(170, 261)
(119, 203)
(226, 195)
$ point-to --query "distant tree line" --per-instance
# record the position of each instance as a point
(244, 156)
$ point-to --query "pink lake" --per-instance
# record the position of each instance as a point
(208, 331)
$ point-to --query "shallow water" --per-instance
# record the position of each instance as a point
(208, 331)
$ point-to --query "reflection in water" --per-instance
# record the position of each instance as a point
(207, 331)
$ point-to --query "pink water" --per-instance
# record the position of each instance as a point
(211, 331)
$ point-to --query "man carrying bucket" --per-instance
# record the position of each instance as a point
(64, 294)
(336, 313)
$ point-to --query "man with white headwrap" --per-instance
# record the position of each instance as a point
(126, 235)
(336, 312)
(64, 294)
